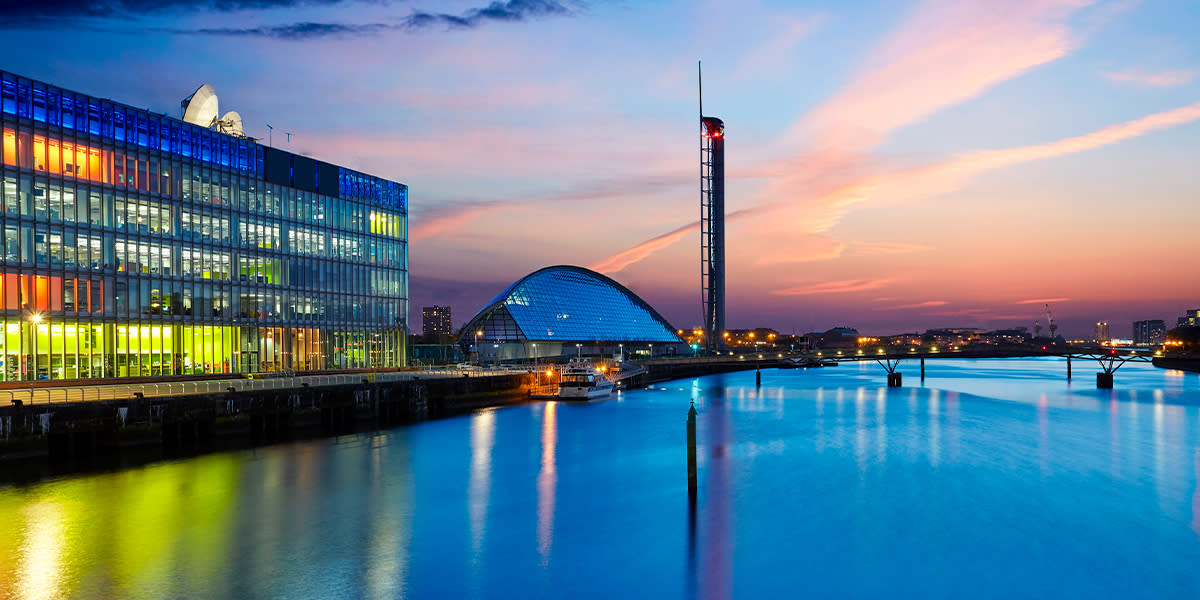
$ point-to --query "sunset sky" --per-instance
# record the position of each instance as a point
(891, 165)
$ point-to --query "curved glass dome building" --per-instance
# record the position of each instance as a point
(564, 310)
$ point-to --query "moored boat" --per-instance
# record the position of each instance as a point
(581, 381)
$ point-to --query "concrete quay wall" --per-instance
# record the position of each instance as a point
(75, 430)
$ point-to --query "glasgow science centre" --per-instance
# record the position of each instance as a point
(136, 244)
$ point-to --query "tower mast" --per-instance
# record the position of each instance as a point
(712, 224)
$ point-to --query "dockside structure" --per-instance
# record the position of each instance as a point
(136, 244)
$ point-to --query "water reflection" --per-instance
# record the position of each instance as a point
(42, 551)
(1196, 496)
(809, 496)
(483, 433)
(546, 481)
(717, 533)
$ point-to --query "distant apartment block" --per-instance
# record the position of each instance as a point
(1103, 333)
(1190, 318)
(1151, 332)
(435, 320)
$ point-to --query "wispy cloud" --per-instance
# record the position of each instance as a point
(134, 8)
(768, 57)
(878, 248)
(823, 212)
(1041, 300)
(293, 31)
(946, 52)
(1139, 77)
(833, 287)
(442, 219)
(50, 13)
(620, 260)
(926, 304)
(512, 10)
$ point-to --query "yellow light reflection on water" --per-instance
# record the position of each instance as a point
(119, 535)
(547, 479)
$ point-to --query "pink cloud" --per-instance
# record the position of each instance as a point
(825, 208)
(946, 52)
(1041, 301)
(639, 252)
(833, 287)
(768, 56)
(452, 218)
(926, 304)
(878, 248)
(1136, 76)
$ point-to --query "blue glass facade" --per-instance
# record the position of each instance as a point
(135, 244)
(567, 304)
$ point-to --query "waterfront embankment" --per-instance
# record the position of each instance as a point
(1183, 362)
(85, 429)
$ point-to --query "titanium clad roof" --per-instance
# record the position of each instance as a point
(565, 303)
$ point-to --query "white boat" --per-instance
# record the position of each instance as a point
(580, 380)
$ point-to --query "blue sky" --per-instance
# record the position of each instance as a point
(535, 132)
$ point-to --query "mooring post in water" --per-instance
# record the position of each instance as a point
(691, 451)
(922, 369)
(1068, 367)
(757, 378)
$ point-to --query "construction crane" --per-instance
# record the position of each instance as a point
(1050, 321)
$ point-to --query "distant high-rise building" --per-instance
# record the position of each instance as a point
(435, 320)
(1152, 332)
(1190, 318)
(1102, 333)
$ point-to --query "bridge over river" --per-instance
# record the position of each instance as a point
(1109, 360)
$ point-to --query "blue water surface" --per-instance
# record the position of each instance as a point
(992, 479)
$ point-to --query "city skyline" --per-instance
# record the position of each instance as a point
(890, 166)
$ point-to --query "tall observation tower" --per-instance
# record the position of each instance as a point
(712, 226)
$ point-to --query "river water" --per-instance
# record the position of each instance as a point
(995, 479)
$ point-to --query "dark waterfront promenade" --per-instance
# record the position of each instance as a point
(86, 422)
(996, 479)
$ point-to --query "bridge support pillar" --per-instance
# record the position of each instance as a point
(1104, 381)
(894, 379)
(922, 369)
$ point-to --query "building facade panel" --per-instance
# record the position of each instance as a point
(136, 244)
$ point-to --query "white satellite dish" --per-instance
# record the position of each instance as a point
(231, 123)
(201, 107)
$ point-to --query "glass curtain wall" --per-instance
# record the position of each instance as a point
(135, 245)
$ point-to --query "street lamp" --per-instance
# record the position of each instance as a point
(578, 350)
(651, 350)
(34, 319)
(621, 351)
(478, 332)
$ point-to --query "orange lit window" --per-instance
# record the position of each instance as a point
(10, 147)
(54, 161)
(59, 158)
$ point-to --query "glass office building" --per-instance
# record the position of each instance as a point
(561, 310)
(136, 244)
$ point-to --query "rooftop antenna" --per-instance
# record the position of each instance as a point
(289, 141)
(270, 135)
(700, 87)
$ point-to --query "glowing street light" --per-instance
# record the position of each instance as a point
(34, 319)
